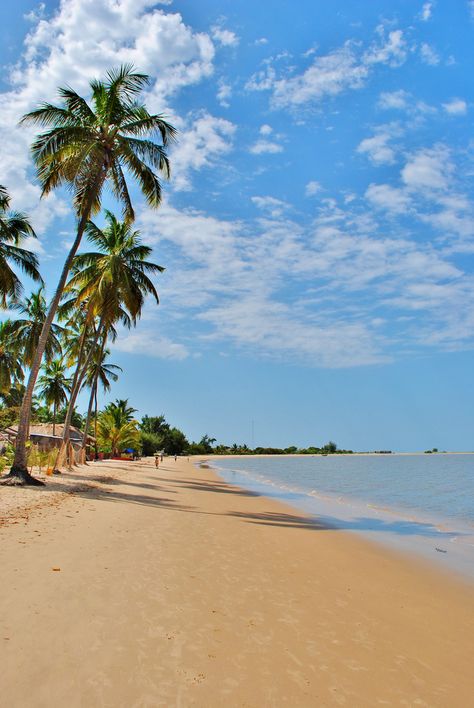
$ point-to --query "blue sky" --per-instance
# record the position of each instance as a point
(318, 232)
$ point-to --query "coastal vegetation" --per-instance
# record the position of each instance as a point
(85, 147)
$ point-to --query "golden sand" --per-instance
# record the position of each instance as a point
(122, 585)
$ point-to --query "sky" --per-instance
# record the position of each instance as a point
(318, 229)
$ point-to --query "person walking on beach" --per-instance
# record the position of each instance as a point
(157, 460)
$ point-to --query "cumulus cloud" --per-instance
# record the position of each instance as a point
(377, 149)
(225, 37)
(428, 169)
(80, 40)
(312, 188)
(455, 107)
(383, 196)
(203, 139)
(265, 146)
(429, 55)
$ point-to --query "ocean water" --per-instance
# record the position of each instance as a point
(422, 504)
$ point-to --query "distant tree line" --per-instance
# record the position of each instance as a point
(157, 435)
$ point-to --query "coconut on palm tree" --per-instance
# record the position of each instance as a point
(85, 146)
(14, 228)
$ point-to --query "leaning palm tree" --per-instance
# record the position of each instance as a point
(11, 371)
(14, 228)
(54, 385)
(28, 327)
(112, 280)
(84, 147)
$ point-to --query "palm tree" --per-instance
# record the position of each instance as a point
(118, 272)
(54, 386)
(113, 281)
(99, 371)
(14, 228)
(11, 371)
(27, 330)
(121, 410)
(84, 147)
(116, 427)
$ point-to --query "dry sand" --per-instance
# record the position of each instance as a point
(122, 585)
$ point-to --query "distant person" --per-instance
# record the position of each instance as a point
(175, 457)
(161, 457)
(157, 460)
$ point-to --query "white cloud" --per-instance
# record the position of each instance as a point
(345, 68)
(391, 50)
(377, 149)
(329, 75)
(426, 11)
(394, 100)
(429, 55)
(455, 107)
(151, 344)
(79, 41)
(312, 188)
(203, 139)
(265, 146)
(262, 40)
(386, 197)
(403, 101)
(274, 206)
(224, 93)
(225, 37)
(266, 129)
(335, 288)
(428, 169)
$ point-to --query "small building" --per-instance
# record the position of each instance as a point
(41, 434)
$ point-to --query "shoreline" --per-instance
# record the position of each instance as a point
(447, 543)
(177, 589)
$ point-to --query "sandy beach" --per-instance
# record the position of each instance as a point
(123, 585)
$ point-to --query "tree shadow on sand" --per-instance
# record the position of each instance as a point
(161, 500)
(203, 485)
(399, 527)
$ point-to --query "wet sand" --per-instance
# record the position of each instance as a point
(122, 585)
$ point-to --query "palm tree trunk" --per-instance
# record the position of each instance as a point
(93, 392)
(79, 374)
(96, 411)
(54, 418)
(89, 412)
(19, 472)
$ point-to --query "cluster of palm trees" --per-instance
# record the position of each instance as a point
(86, 147)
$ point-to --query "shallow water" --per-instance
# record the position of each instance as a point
(422, 504)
